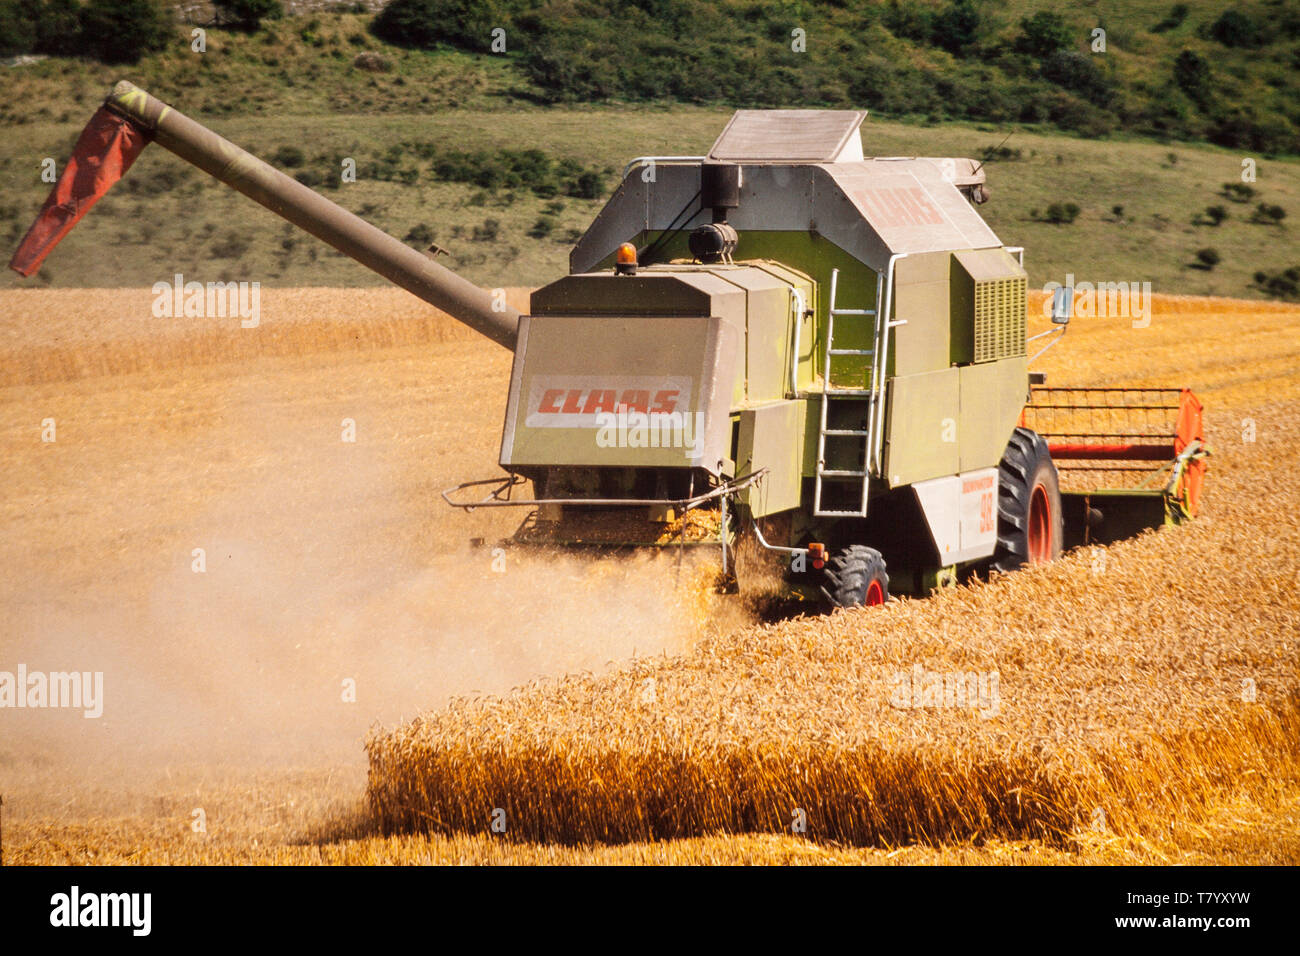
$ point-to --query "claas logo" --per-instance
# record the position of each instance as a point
(590, 401)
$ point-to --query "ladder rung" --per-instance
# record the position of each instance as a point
(858, 392)
(861, 432)
(897, 322)
(853, 311)
(852, 351)
(843, 514)
(839, 473)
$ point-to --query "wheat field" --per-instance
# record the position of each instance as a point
(1147, 692)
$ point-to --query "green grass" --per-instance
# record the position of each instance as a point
(295, 86)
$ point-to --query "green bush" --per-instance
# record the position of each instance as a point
(122, 31)
(420, 236)
(17, 29)
(908, 20)
(514, 169)
(1237, 29)
(1062, 214)
(1192, 74)
(955, 27)
(1173, 19)
(487, 232)
(1078, 73)
(231, 246)
(1282, 285)
(589, 184)
(1209, 258)
(542, 228)
(1268, 214)
(1043, 34)
(1243, 125)
(467, 24)
(290, 157)
(58, 28)
(114, 31)
(248, 14)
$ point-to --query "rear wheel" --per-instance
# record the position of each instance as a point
(1030, 525)
(856, 576)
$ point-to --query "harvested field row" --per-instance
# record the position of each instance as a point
(1135, 686)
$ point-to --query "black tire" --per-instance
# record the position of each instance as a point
(1025, 536)
(855, 576)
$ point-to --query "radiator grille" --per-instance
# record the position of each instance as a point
(999, 318)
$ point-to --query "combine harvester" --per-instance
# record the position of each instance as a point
(852, 396)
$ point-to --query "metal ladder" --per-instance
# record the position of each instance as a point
(872, 395)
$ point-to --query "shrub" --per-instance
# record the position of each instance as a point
(1215, 214)
(487, 232)
(1062, 214)
(122, 31)
(420, 235)
(1268, 214)
(290, 157)
(1173, 19)
(466, 24)
(248, 14)
(1238, 192)
(1284, 284)
(1192, 74)
(588, 185)
(955, 26)
(1042, 34)
(1079, 73)
(542, 228)
(1244, 125)
(908, 20)
(1237, 29)
(231, 246)
(17, 30)
(1209, 258)
(58, 28)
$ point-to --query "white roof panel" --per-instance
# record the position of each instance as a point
(790, 136)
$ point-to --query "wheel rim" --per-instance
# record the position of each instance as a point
(1039, 532)
(875, 594)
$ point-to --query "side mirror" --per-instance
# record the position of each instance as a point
(1062, 305)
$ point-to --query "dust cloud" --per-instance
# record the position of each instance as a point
(335, 594)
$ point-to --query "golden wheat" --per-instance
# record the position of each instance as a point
(1138, 685)
(54, 335)
(1120, 671)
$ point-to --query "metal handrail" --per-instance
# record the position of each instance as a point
(883, 325)
(494, 500)
(661, 159)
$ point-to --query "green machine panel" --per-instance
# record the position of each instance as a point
(992, 397)
(772, 437)
(922, 426)
(922, 299)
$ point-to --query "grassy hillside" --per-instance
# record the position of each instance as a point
(1186, 70)
(440, 139)
(166, 217)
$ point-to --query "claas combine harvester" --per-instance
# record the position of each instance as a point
(781, 343)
